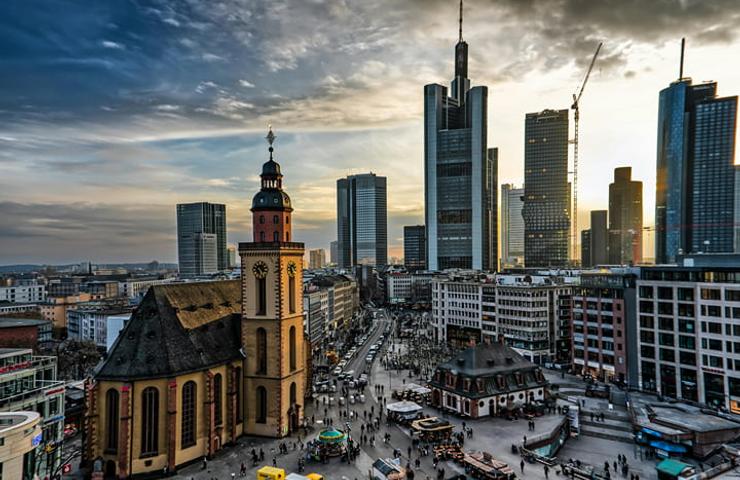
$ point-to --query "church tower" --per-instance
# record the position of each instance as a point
(272, 312)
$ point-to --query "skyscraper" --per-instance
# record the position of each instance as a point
(334, 252)
(599, 239)
(695, 189)
(512, 226)
(414, 247)
(625, 218)
(586, 260)
(546, 210)
(362, 220)
(459, 173)
(196, 222)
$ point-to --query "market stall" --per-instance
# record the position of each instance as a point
(483, 465)
(432, 429)
(404, 411)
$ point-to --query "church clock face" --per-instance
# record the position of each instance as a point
(292, 268)
(260, 270)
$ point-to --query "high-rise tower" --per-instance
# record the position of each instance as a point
(362, 220)
(201, 238)
(696, 176)
(546, 210)
(459, 172)
(272, 311)
(625, 218)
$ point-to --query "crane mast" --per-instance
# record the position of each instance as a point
(576, 118)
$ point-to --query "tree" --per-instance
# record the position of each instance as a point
(76, 359)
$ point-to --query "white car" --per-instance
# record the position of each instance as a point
(337, 371)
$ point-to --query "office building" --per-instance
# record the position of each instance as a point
(96, 325)
(530, 312)
(689, 336)
(603, 318)
(201, 238)
(316, 258)
(586, 260)
(362, 220)
(625, 218)
(414, 248)
(460, 171)
(30, 384)
(23, 293)
(546, 210)
(334, 252)
(695, 193)
(594, 241)
(512, 226)
(24, 332)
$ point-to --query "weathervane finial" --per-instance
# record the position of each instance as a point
(270, 139)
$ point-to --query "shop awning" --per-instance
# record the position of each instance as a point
(668, 447)
(672, 467)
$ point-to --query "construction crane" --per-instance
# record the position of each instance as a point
(576, 115)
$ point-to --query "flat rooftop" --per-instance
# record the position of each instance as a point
(9, 322)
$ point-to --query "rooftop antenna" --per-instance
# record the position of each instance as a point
(461, 13)
(683, 46)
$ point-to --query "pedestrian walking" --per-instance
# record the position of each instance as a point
(547, 471)
(521, 465)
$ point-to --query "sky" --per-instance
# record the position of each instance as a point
(112, 112)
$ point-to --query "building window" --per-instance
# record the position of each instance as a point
(287, 219)
(189, 400)
(291, 294)
(275, 219)
(218, 398)
(261, 405)
(287, 236)
(261, 351)
(262, 236)
(112, 420)
(292, 347)
(261, 296)
(150, 421)
(262, 219)
(239, 409)
(293, 394)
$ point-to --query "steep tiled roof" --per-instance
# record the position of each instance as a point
(178, 328)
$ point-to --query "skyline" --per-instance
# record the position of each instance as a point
(84, 118)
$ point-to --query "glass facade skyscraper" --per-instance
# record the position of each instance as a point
(362, 220)
(460, 184)
(695, 185)
(546, 210)
(201, 238)
(512, 226)
(414, 247)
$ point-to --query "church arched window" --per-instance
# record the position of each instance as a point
(293, 393)
(189, 414)
(239, 408)
(261, 296)
(112, 419)
(292, 348)
(218, 398)
(150, 421)
(261, 405)
(261, 351)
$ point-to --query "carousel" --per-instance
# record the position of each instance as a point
(330, 442)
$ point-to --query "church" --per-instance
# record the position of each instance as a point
(200, 364)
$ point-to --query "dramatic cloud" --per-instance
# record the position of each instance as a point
(153, 102)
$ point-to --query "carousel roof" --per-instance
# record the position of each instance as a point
(332, 435)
